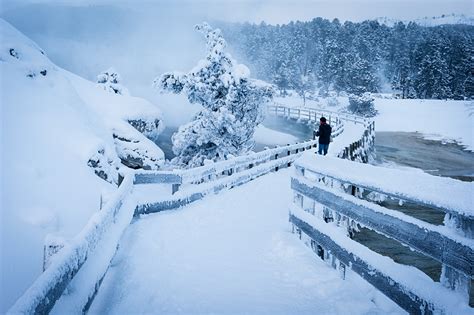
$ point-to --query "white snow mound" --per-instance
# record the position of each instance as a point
(52, 124)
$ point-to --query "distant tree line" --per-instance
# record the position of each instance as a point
(321, 56)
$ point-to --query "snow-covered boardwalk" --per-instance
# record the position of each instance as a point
(231, 253)
(234, 252)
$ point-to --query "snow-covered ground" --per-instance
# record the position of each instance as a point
(52, 124)
(231, 253)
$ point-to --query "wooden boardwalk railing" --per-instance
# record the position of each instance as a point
(189, 185)
(325, 196)
(110, 222)
(361, 150)
(193, 184)
(313, 115)
(88, 250)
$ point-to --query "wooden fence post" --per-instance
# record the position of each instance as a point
(451, 278)
(174, 188)
(342, 271)
(51, 247)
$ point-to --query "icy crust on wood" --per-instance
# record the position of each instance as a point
(309, 112)
(233, 105)
(41, 297)
(406, 279)
(203, 172)
(353, 148)
(83, 288)
(191, 193)
(312, 115)
(444, 193)
(438, 242)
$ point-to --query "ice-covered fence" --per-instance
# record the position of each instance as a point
(312, 115)
(188, 185)
(193, 184)
(361, 150)
(329, 192)
(109, 223)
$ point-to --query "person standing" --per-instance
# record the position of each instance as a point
(324, 134)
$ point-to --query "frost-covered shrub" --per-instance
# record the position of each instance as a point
(105, 165)
(362, 105)
(109, 80)
(151, 128)
(332, 101)
(233, 104)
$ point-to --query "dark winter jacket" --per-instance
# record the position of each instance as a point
(324, 133)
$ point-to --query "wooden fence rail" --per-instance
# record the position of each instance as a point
(318, 184)
(193, 184)
(312, 116)
(43, 294)
(213, 172)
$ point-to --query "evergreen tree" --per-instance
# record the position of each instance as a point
(362, 105)
(418, 61)
(232, 105)
(432, 78)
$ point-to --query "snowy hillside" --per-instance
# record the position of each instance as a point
(61, 137)
(432, 21)
(83, 40)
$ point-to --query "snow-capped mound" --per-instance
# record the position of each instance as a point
(132, 122)
(138, 112)
(60, 157)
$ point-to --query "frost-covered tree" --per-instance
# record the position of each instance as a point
(232, 104)
(362, 105)
(432, 78)
(418, 61)
(109, 80)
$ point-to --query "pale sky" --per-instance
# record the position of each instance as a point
(283, 11)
